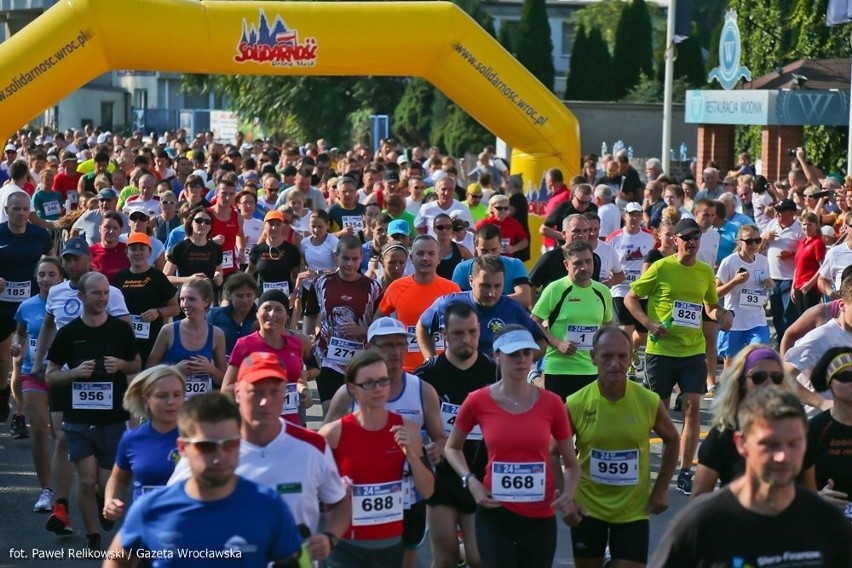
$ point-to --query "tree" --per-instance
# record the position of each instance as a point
(602, 15)
(601, 72)
(577, 67)
(504, 36)
(634, 52)
(689, 64)
(412, 119)
(535, 47)
(461, 133)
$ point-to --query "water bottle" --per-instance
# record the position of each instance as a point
(630, 152)
(603, 149)
(683, 151)
(671, 154)
(666, 325)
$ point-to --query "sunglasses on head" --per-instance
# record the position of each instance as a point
(759, 377)
(208, 446)
(754, 241)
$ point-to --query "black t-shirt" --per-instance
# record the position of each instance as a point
(551, 267)
(716, 531)
(191, 259)
(519, 202)
(19, 256)
(653, 256)
(77, 342)
(453, 385)
(142, 292)
(563, 210)
(448, 265)
(719, 453)
(830, 451)
(276, 265)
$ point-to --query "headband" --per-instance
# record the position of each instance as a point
(758, 355)
(838, 364)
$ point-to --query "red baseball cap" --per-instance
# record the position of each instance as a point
(259, 366)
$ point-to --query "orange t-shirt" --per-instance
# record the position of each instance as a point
(409, 300)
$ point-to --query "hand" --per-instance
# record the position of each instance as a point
(793, 293)
(481, 495)
(113, 364)
(218, 239)
(218, 278)
(785, 255)
(769, 284)
(114, 510)
(200, 365)
(15, 349)
(658, 503)
(150, 315)
(85, 369)
(727, 321)
(742, 277)
(770, 235)
(570, 511)
(657, 330)
(352, 329)
(566, 347)
(319, 547)
(407, 436)
(837, 498)
(433, 453)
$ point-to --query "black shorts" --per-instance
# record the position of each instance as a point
(449, 491)
(624, 317)
(414, 525)
(100, 441)
(328, 382)
(8, 325)
(664, 372)
(566, 385)
(627, 541)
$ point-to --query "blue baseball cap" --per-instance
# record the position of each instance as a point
(398, 227)
(76, 246)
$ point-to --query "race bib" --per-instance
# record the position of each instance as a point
(377, 503)
(91, 396)
(753, 298)
(437, 337)
(16, 292)
(291, 400)
(504, 244)
(73, 197)
(52, 208)
(141, 329)
(686, 314)
(283, 286)
(517, 482)
(355, 222)
(197, 384)
(581, 335)
(228, 259)
(449, 412)
(631, 275)
(340, 351)
(614, 468)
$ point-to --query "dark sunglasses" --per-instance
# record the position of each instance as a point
(689, 238)
(759, 377)
(443, 227)
(754, 241)
(202, 221)
(475, 196)
(168, 202)
(501, 208)
(207, 446)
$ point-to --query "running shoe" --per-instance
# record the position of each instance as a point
(45, 501)
(711, 393)
(639, 360)
(59, 521)
(684, 482)
(18, 429)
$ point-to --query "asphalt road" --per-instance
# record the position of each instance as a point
(25, 542)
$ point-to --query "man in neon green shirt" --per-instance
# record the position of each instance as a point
(569, 312)
(680, 290)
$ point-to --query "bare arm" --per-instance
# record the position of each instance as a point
(433, 422)
(425, 341)
(340, 405)
(522, 295)
(115, 495)
(704, 481)
(665, 429)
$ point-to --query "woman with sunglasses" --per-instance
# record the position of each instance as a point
(371, 447)
(809, 256)
(743, 284)
(197, 255)
(828, 466)
(450, 252)
(756, 366)
(168, 219)
(275, 261)
(512, 236)
(301, 216)
(140, 223)
(516, 500)
(146, 455)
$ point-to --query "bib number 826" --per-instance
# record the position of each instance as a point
(377, 504)
(687, 314)
(517, 482)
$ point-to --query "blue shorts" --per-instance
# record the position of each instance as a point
(729, 343)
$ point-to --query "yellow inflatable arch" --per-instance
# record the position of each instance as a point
(77, 40)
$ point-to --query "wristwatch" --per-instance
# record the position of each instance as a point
(465, 479)
(333, 539)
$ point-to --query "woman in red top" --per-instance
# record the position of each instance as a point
(512, 236)
(809, 255)
(371, 447)
(515, 522)
(109, 256)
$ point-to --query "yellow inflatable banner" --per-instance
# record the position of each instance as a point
(77, 40)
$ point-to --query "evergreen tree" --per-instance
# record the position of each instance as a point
(535, 47)
(412, 118)
(504, 36)
(600, 78)
(577, 67)
(634, 52)
(689, 64)
(461, 133)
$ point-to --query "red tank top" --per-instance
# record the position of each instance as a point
(230, 229)
(371, 459)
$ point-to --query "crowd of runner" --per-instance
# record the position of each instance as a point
(170, 308)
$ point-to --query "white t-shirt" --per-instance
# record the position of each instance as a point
(630, 251)
(151, 206)
(430, 210)
(747, 300)
(610, 218)
(298, 464)
(786, 239)
(760, 201)
(708, 247)
(320, 257)
(610, 263)
(836, 260)
(5, 192)
(251, 229)
(467, 242)
(808, 350)
(64, 304)
(413, 206)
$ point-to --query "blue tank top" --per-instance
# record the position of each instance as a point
(195, 384)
